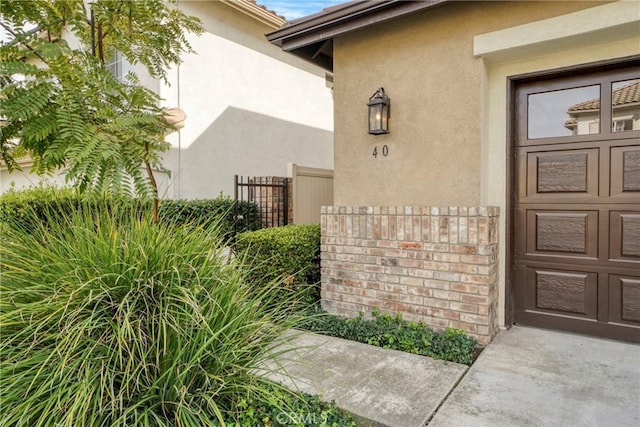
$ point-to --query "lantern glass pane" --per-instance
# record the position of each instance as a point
(384, 122)
(375, 117)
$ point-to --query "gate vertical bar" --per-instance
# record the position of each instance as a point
(285, 192)
(276, 194)
(235, 206)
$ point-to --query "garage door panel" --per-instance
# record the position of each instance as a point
(568, 173)
(624, 235)
(625, 173)
(562, 233)
(624, 299)
(562, 292)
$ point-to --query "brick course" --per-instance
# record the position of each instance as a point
(438, 265)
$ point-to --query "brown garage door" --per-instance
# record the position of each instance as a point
(577, 207)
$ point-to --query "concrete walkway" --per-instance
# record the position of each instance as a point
(379, 387)
(525, 377)
(535, 377)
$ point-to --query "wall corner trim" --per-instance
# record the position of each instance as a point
(600, 24)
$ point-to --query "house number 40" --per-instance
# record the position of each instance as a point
(384, 151)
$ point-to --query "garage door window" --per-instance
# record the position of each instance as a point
(567, 112)
(625, 106)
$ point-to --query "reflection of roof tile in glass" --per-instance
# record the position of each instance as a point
(625, 95)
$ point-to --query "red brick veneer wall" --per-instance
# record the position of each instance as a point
(438, 265)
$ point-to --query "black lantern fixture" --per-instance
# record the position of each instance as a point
(379, 104)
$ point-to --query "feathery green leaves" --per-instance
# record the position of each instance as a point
(63, 108)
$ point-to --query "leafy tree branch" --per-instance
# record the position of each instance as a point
(64, 109)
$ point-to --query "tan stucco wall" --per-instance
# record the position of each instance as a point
(425, 63)
(446, 72)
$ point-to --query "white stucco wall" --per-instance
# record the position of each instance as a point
(251, 109)
(24, 178)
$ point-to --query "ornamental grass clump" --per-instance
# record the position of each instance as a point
(109, 319)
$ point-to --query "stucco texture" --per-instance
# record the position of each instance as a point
(247, 106)
(425, 63)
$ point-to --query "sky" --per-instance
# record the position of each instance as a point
(292, 9)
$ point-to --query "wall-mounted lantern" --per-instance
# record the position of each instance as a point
(379, 104)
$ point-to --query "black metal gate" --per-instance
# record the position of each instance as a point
(270, 194)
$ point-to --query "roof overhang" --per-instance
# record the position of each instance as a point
(311, 37)
(256, 11)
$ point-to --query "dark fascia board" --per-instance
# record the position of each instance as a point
(325, 25)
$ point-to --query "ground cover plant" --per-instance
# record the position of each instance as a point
(107, 318)
(304, 410)
(392, 332)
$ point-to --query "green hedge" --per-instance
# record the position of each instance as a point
(206, 211)
(37, 205)
(42, 200)
(291, 253)
(20, 205)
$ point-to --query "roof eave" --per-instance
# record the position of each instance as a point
(255, 11)
(583, 110)
(316, 29)
(626, 105)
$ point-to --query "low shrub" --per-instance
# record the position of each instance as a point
(119, 321)
(44, 201)
(393, 332)
(290, 254)
(36, 203)
(208, 211)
